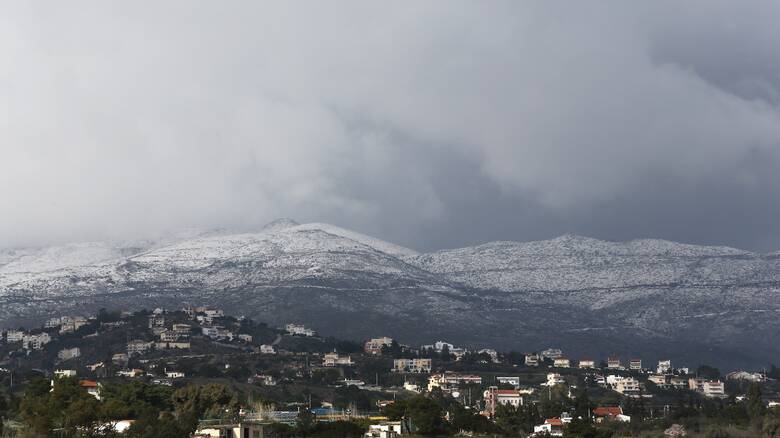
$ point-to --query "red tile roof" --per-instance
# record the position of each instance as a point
(608, 411)
(554, 421)
(88, 384)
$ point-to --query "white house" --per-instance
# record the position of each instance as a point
(335, 359)
(412, 366)
(69, 353)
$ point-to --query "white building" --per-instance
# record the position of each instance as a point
(450, 381)
(554, 379)
(551, 353)
(562, 362)
(298, 330)
(412, 366)
(64, 373)
(664, 366)
(513, 381)
(551, 426)
(335, 359)
(138, 347)
(532, 360)
(14, 336)
(69, 353)
(587, 363)
(35, 342)
(374, 346)
(267, 349)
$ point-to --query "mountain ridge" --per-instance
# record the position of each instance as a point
(634, 293)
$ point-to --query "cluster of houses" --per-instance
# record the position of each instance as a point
(664, 374)
(29, 341)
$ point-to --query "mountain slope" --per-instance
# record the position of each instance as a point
(586, 295)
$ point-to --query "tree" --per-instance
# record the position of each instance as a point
(755, 405)
(771, 427)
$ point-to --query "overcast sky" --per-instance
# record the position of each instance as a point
(430, 124)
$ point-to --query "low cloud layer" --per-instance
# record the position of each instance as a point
(431, 124)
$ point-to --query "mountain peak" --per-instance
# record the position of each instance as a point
(280, 224)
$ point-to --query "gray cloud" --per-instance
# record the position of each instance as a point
(432, 124)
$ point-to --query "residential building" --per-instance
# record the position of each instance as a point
(623, 385)
(298, 330)
(174, 374)
(490, 352)
(627, 386)
(137, 346)
(335, 359)
(450, 381)
(610, 413)
(413, 387)
(412, 366)
(243, 429)
(613, 363)
(183, 330)
(551, 426)
(635, 364)
(169, 336)
(93, 388)
(494, 397)
(245, 338)
(267, 349)
(374, 346)
(389, 429)
(710, 388)
(264, 379)
(14, 336)
(512, 381)
(172, 345)
(659, 379)
(587, 363)
(554, 379)
(156, 320)
(561, 362)
(69, 353)
(532, 360)
(69, 324)
(64, 373)
(35, 342)
(211, 332)
(135, 372)
(664, 366)
(551, 353)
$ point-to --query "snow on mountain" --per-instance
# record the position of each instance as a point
(508, 293)
(573, 262)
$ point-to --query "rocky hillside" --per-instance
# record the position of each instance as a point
(649, 297)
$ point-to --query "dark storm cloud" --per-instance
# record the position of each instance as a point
(432, 124)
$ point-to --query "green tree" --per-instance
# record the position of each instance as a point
(771, 427)
(755, 405)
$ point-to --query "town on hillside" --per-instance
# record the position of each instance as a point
(197, 372)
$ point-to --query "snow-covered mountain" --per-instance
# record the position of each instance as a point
(587, 295)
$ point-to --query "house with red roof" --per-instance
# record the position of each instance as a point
(551, 426)
(610, 413)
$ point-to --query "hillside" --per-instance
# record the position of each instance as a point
(583, 294)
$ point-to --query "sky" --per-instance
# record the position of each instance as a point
(432, 124)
